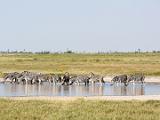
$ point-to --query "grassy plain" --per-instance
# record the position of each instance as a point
(106, 64)
(79, 110)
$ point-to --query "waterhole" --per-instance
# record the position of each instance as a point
(47, 89)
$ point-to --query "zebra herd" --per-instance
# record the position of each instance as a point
(131, 78)
(27, 77)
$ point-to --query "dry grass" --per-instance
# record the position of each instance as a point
(117, 63)
(79, 110)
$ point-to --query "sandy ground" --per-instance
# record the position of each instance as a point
(108, 98)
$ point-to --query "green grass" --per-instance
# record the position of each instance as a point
(79, 110)
(105, 64)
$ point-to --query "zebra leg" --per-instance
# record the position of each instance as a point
(26, 81)
(12, 81)
(134, 82)
(39, 81)
(87, 82)
(78, 82)
(92, 82)
(32, 81)
(55, 82)
(50, 81)
(142, 81)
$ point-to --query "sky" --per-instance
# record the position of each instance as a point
(80, 25)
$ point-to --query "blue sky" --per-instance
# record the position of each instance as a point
(80, 25)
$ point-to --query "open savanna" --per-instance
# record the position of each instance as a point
(105, 64)
(79, 110)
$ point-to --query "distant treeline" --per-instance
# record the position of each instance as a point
(73, 52)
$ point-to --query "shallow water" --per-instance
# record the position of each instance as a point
(46, 89)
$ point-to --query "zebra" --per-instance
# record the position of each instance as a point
(28, 77)
(80, 79)
(53, 78)
(65, 79)
(11, 77)
(136, 78)
(120, 79)
(96, 78)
